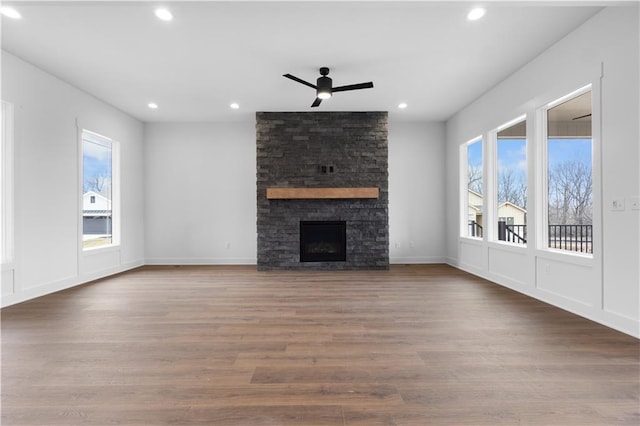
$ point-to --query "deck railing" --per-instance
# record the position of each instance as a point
(578, 238)
(571, 237)
(475, 229)
(512, 233)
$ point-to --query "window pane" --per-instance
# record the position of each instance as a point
(97, 190)
(512, 184)
(569, 175)
(474, 189)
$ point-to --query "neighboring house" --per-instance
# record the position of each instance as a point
(507, 211)
(96, 214)
(92, 200)
(511, 214)
(475, 207)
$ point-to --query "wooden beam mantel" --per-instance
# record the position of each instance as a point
(321, 193)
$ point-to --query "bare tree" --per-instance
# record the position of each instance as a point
(97, 182)
(571, 193)
(474, 178)
(512, 187)
(581, 192)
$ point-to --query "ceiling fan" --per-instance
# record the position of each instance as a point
(582, 116)
(324, 88)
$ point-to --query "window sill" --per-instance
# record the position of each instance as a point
(99, 250)
(582, 259)
(503, 245)
(471, 240)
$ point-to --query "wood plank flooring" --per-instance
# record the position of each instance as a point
(416, 345)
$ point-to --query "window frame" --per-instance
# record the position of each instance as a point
(115, 194)
(493, 167)
(464, 187)
(542, 193)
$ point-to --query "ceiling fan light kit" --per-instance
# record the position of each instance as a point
(324, 86)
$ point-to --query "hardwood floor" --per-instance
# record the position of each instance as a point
(417, 345)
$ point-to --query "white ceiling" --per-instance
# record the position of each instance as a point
(426, 54)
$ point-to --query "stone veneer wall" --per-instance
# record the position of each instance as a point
(292, 148)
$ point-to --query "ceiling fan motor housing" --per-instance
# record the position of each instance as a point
(324, 85)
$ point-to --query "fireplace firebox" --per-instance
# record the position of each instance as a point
(323, 241)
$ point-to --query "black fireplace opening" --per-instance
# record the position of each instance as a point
(323, 241)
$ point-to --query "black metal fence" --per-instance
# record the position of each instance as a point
(578, 238)
(571, 237)
(512, 233)
(475, 229)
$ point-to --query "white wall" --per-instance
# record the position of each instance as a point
(416, 192)
(200, 193)
(188, 190)
(605, 288)
(47, 195)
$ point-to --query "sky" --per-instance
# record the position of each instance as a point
(561, 150)
(512, 152)
(96, 161)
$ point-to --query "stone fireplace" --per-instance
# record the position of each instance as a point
(316, 168)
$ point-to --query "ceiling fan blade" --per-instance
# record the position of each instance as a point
(299, 80)
(316, 102)
(582, 116)
(368, 85)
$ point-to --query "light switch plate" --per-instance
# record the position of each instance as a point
(617, 204)
(635, 203)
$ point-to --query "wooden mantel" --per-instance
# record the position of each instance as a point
(321, 193)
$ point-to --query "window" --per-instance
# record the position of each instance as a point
(569, 192)
(98, 190)
(6, 184)
(511, 175)
(510, 220)
(474, 192)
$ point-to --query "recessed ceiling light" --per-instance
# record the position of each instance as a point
(402, 105)
(164, 14)
(152, 105)
(234, 105)
(10, 12)
(476, 14)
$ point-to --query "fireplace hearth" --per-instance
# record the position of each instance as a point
(323, 241)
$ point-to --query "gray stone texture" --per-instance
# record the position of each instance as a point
(292, 148)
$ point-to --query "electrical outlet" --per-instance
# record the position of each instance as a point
(635, 203)
(617, 204)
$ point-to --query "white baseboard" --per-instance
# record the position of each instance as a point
(612, 320)
(452, 261)
(416, 260)
(55, 286)
(203, 261)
